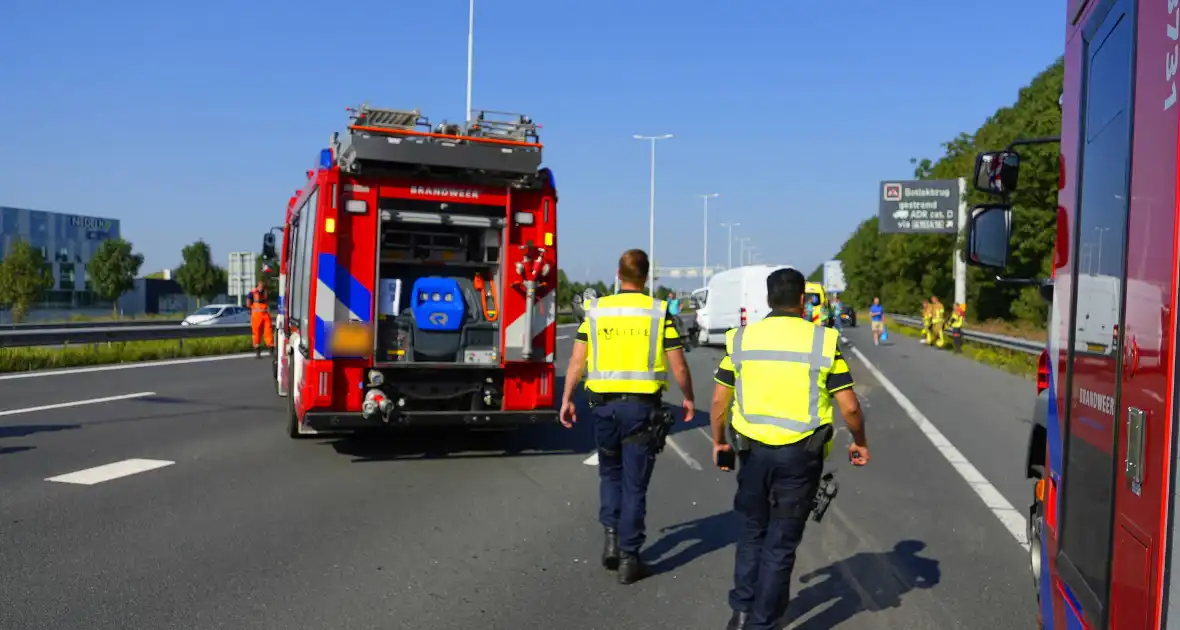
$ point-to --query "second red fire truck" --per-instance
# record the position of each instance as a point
(417, 277)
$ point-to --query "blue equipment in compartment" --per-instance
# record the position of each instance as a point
(437, 304)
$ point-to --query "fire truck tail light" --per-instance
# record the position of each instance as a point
(356, 206)
(523, 218)
(330, 225)
(743, 314)
(1043, 371)
(1039, 491)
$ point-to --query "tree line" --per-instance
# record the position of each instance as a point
(904, 269)
(25, 274)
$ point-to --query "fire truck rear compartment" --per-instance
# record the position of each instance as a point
(438, 294)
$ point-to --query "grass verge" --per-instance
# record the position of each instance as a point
(1018, 363)
(26, 359)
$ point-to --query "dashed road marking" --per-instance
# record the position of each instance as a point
(1012, 519)
(688, 459)
(75, 403)
(107, 472)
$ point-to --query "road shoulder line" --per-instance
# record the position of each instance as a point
(1011, 518)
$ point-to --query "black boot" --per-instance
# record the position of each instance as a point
(631, 568)
(257, 352)
(738, 621)
(610, 550)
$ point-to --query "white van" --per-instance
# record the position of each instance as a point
(734, 297)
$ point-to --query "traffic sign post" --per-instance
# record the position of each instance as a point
(927, 206)
(834, 277)
(240, 275)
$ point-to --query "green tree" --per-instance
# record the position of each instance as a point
(24, 276)
(112, 270)
(197, 274)
(902, 269)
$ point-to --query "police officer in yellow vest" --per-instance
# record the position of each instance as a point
(625, 347)
(784, 371)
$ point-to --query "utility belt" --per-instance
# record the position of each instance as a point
(813, 443)
(659, 419)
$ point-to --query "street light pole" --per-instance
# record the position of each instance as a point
(742, 256)
(729, 244)
(651, 243)
(705, 258)
(470, 52)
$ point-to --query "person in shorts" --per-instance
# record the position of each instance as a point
(877, 317)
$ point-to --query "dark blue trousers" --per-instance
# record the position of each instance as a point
(776, 489)
(624, 470)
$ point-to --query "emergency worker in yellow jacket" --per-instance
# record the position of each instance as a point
(777, 383)
(934, 333)
(926, 311)
(626, 347)
(956, 325)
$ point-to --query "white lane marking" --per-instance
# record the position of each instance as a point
(692, 463)
(1011, 518)
(124, 366)
(560, 337)
(75, 403)
(592, 460)
(107, 472)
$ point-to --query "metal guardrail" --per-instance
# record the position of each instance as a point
(1010, 343)
(83, 336)
(134, 323)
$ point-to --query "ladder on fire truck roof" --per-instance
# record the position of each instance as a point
(497, 145)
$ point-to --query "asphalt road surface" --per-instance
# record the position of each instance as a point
(206, 516)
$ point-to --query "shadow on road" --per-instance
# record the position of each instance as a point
(703, 536)
(25, 430)
(865, 582)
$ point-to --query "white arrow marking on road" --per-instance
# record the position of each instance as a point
(592, 460)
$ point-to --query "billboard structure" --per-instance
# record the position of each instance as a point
(928, 206)
(240, 274)
(834, 277)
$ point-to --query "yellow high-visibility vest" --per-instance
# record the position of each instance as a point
(937, 313)
(781, 365)
(626, 344)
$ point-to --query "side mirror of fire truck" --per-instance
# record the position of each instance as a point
(268, 246)
(989, 229)
(997, 172)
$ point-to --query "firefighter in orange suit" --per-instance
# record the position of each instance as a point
(260, 325)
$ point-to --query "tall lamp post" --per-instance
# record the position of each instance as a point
(742, 252)
(705, 257)
(651, 243)
(470, 52)
(729, 244)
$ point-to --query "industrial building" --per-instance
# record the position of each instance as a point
(67, 241)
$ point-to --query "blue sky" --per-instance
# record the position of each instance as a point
(189, 120)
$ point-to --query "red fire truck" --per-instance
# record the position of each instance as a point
(1102, 517)
(417, 278)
